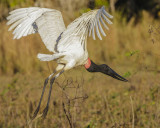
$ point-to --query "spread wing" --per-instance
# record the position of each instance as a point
(47, 22)
(89, 23)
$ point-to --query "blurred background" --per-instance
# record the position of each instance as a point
(131, 48)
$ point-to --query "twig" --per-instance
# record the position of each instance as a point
(132, 112)
(66, 115)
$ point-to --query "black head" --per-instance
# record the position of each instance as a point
(105, 69)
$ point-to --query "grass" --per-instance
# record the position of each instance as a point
(93, 100)
(108, 102)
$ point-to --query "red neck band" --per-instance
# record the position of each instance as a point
(88, 64)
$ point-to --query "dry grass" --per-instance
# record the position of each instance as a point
(110, 103)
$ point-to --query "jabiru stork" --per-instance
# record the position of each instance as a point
(69, 45)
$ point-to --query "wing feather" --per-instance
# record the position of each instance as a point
(91, 24)
(106, 27)
(93, 32)
(47, 22)
(97, 31)
(106, 13)
(101, 29)
(106, 19)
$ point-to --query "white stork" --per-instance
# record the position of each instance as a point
(69, 45)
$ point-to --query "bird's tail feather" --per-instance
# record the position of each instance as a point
(48, 57)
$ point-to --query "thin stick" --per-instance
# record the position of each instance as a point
(132, 112)
(66, 115)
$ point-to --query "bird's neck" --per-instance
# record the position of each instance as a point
(92, 67)
(88, 63)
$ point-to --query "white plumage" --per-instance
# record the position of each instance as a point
(68, 44)
(49, 23)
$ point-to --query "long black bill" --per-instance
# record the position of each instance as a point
(106, 70)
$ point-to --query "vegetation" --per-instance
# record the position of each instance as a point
(90, 100)
(134, 8)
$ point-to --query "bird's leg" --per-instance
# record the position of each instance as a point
(45, 83)
(50, 90)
